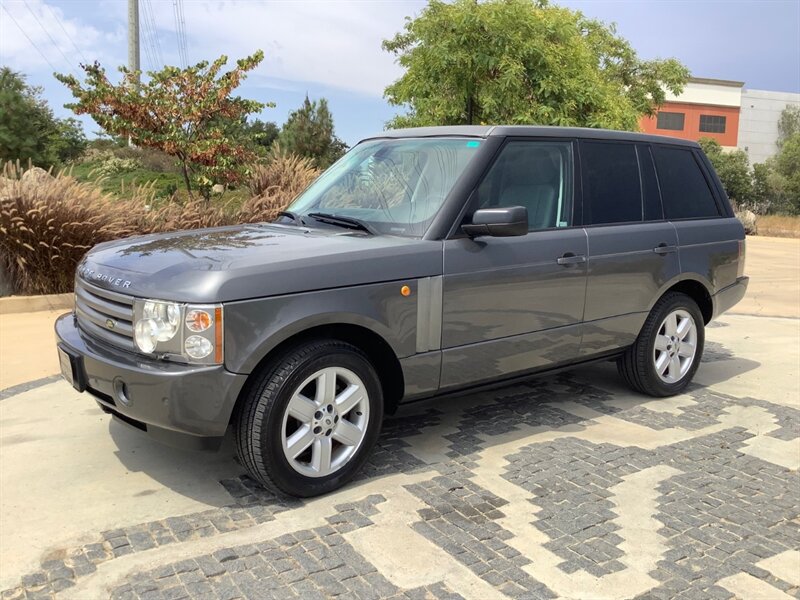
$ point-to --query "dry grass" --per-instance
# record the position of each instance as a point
(288, 173)
(49, 221)
(778, 225)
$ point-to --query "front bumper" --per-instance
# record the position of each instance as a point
(181, 405)
(729, 296)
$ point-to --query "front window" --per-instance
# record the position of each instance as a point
(394, 186)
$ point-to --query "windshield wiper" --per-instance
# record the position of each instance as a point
(298, 220)
(339, 221)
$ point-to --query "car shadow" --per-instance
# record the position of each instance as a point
(193, 474)
(436, 428)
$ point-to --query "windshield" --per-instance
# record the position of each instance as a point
(394, 186)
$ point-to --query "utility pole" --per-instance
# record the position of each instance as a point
(133, 35)
(134, 51)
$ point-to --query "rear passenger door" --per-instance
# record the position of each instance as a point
(708, 237)
(633, 250)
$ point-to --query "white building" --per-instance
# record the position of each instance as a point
(758, 121)
(725, 111)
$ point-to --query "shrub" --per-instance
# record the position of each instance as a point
(48, 223)
(113, 165)
(193, 214)
(284, 171)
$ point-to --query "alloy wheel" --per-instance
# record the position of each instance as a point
(675, 346)
(325, 422)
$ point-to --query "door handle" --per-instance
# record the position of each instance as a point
(662, 248)
(571, 259)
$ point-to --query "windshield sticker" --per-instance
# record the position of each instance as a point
(473, 144)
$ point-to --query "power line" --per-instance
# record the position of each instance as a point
(50, 37)
(154, 39)
(69, 37)
(180, 31)
(183, 33)
(149, 48)
(42, 54)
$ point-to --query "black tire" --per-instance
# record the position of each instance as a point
(259, 416)
(637, 365)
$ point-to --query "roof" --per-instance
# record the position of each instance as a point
(709, 81)
(484, 131)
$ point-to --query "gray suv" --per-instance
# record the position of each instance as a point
(423, 262)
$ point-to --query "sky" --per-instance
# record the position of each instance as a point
(332, 48)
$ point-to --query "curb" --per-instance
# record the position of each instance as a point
(23, 304)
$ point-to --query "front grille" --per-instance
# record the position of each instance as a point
(105, 315)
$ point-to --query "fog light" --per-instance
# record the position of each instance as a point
(197, 347)
(121, 391)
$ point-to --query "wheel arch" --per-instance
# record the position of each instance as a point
(378, 351)
(694, 287)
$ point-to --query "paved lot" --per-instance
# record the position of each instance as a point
(566, 486)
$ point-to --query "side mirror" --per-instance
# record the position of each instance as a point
(498, 222)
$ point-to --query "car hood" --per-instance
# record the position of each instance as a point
(253, 261)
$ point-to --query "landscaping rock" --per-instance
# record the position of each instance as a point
(35, 176)
(217, 189)
(748, 219)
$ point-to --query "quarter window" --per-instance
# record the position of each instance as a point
(536, 175)
(670, 120)
(712, 124)
(684, 189)
(612, 191)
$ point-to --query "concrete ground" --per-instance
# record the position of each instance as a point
(566, 486)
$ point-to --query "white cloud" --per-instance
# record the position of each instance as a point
(334, 43)
(35, 36)
(316, 43)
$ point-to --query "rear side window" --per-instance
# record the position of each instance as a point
(684, 189)
(612, 189)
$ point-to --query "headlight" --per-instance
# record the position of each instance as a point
(181, 332)
(161, 319)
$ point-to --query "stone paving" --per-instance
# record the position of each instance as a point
(556, 488)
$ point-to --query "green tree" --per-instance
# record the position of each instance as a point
(28, 129)
(262, 133)
(182, 112)
(522, 61)
(733, 169)
(254, 134)
(788, 123)
(787, 165)
(309, 132)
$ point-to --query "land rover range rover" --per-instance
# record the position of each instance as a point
(423, 262)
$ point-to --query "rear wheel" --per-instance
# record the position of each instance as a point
(667, 351)
(311, 419)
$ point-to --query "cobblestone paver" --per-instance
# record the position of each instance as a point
(721, 510)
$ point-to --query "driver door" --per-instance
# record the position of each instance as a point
(515, 304)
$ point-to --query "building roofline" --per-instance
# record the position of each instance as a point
(724, 82)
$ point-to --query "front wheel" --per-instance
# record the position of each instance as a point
(311, 419)
(667, 351)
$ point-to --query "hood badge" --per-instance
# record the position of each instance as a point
(92, 275)
(110, 323)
